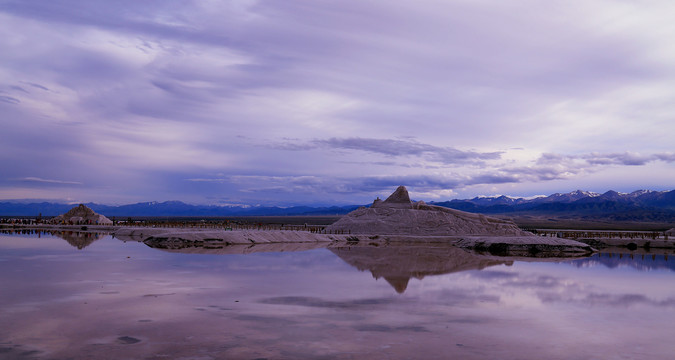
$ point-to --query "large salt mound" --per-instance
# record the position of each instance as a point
(81, 215)
(397, 215)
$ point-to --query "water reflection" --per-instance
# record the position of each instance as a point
(78, 239)
(126, 300)
(640, 262)
(395, 263)
(398, 264)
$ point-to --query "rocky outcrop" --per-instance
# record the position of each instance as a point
(400, 216)
(81, 215)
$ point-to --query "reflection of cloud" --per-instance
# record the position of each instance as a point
(389, 329)
(538, 282)
(465, 297)
(552, 289)
(267, 320)
(601, 300)
(493, 274)
(320, 303)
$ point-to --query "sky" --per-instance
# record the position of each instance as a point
(333, 102)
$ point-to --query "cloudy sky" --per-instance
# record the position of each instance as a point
(333, 102)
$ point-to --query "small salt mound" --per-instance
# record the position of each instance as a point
(81, 215)
(398, 215)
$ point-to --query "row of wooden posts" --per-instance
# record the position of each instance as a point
(317, 229)
(576, 234)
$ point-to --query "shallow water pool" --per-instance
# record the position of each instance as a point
(88, 296)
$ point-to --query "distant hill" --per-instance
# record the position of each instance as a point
(169, 208)
(640, 206)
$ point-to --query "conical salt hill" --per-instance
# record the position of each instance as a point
(81, 215)
(397, 215)
(399, 199)
(81, 211)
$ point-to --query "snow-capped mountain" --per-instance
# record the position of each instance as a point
(568, 197)
(639, 205)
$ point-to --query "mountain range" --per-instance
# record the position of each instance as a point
(641, 205)
(168, 208)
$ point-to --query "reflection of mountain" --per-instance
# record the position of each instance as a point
(640, 262)
(78, 239)
(397, 264)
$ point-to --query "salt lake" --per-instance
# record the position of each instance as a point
(91, 296)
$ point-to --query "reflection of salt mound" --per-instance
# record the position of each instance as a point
(398, 215)
(81, 215)
(79, 240)
(397, 264)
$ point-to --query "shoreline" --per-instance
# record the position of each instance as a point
(175, 238)
(496, 245)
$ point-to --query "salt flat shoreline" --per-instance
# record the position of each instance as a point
(397, 219)
(186, 237)
(520, 245)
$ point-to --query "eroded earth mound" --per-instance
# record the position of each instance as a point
(81, 215)
(399, 215)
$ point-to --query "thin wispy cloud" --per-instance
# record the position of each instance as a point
(9, 99)
(392, 148)
(49, 181)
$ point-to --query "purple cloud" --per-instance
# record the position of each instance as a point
(306, 99)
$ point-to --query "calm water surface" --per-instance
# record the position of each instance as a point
(82, 296)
